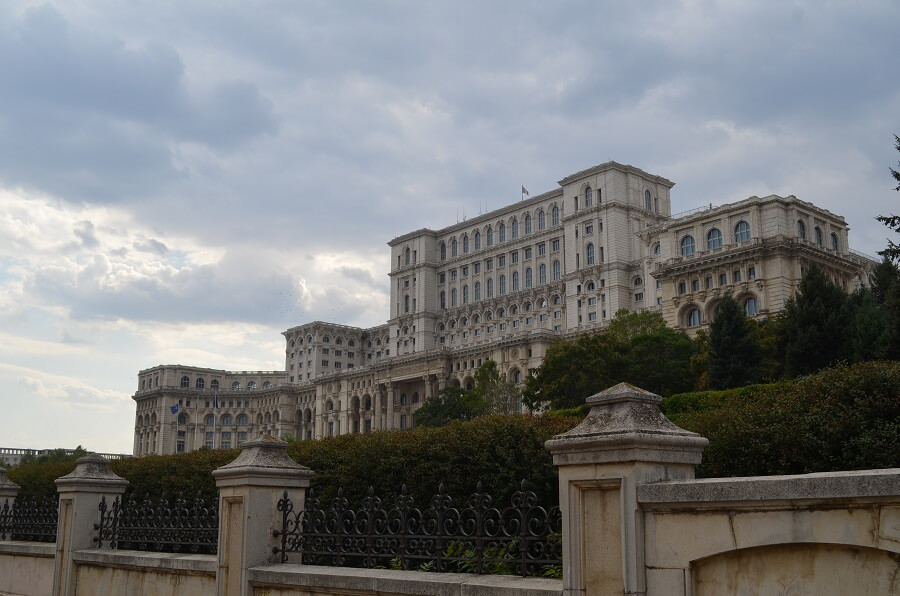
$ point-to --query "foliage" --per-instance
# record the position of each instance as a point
(700, 361)
(451, 403)
(498, 395)
(734, 353)
(843, 418)
(660, 361)
(815, 324)
(892, 252)
(769, 334)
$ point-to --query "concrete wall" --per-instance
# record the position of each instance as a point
(26, 568)
(110, 572)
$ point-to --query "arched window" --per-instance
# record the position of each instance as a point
(687, 246)
(465, 244)
(515, 281)
(453, 297)
(556, 271)
(742, 232)
(477, 240)
(555, 216)
(588, 197)
(490, 236)
(648, 201)
(656, 248)
(589, 254)
(542, 220)
(185, 382)
(542, 274)
(227, 420)
(210, 420)
(638, 281)
(407, 255)
(529, 278)
(514, 310)
(818, 233)
(406, 303)
(182, 419)
(477, 290)
(199, 383)
(501, 313)
(267, 385)
(693, 318)
(214, 384)
(801, 229)
(557, 300)
(502, 232)
(515, 228)
(750, 307)
(243, 420)
(527, 224)
(502, 284)
(454, 248)
(326, 339)
(443, 251)
(713, 239)
(490, 288)
(835, 243)
(465, 294)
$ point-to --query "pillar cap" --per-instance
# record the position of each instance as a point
(92, 473)
(263, 459)
(625, 424)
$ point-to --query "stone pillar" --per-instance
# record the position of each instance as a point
(249, 490)
(624, 441)
(376, 412)
(8, 488)
(389, 406)
(79, 499)
(429, 387)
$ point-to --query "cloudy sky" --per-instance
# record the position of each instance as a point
(182, 180)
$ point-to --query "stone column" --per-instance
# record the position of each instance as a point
(624, 441)
(429, 387)
(8, 488)
(376, 412)
(249, 490)
(79, 499)
(390, 394)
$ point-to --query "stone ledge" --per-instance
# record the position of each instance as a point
(28, 549)
(858, 484)
(135, 559)
(388, 581)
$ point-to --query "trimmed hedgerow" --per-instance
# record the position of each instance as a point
(843, 418)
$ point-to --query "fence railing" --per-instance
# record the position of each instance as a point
(32, 520)
(521, 539)
(158, 525)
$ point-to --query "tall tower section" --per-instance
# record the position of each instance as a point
(414, 291)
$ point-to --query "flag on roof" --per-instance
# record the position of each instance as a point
(525, 191)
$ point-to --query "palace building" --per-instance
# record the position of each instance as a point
(503, 286)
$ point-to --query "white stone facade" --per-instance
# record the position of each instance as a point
(503, 286)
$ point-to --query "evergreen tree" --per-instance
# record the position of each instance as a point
(815, 324)
(734, 353)
(660, 362)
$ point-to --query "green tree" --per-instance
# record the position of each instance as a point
(451, 403)
(815, 324)
(496, 393)
(734, 353)
(660, 361)
(574, 370)
(892, 252)
(626, 324)
(769, 335)
(700, 361)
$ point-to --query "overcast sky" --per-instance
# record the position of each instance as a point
(180, 181)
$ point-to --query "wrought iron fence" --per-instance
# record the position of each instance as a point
(522, 539)
(156, 525)
(29, 519)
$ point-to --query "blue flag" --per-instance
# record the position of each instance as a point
(174, 409)
(216, 400)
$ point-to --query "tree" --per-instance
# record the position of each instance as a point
(573, 370)
(815, 324)
(626, 324)
(769, 334)
(497, 394)
(892, 252)
(451, 403)
(734, 354)
(660, 361)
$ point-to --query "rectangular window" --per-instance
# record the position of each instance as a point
(501, 261)
(543, 317)
(325, 351)
(502, 326)
(324, 363)
(490, 329)
(527, 253)
(453, 275)
(337, 364)
(639, 297)
(557, 327)
(592, 316)
(592, 301)
(557, 314)
(695, 285)
(542, 249)
(708, 282)
(723, 279)
(337, 352)
(488, 264)
(682, 288)
(516, 323)
(209, 441)
(751, 272)
(477, 332)
(514, 256)
(554, 245)
(736, 276)
(477, 268)
(588, 229)
(443, 278)
(465, 271)
(529, 320)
